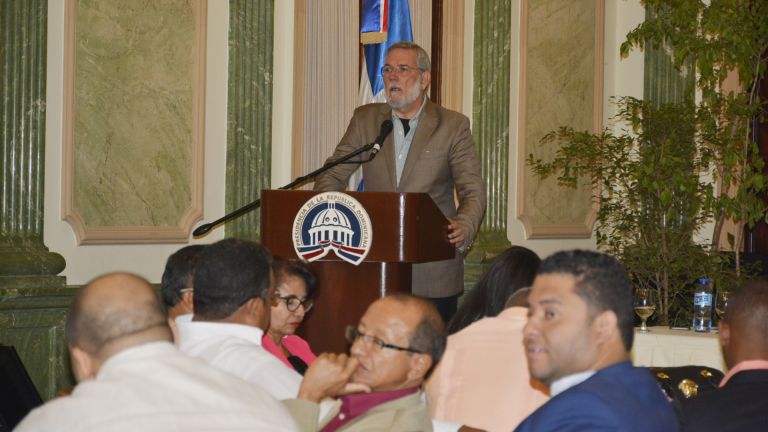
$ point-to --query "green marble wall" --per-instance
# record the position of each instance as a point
(33, 313)
(249, 110)
(559, 91)
(490, 123)
(134, 100)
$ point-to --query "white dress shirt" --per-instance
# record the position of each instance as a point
(569, 381)
(154, 387)
(236, 349)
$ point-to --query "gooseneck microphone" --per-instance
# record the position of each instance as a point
(374, 147)
(386, 129)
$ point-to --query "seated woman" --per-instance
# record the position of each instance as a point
(295, 287)
(509, 271)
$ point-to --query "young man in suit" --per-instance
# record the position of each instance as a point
(430, 150)
(578, 338)
(740, 404)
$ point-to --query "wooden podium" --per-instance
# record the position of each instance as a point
(407, 228)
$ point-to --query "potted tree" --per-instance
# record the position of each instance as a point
(674, 168)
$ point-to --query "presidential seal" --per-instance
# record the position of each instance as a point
(332, 221)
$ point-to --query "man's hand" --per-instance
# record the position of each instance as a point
(328, 376)
(456, 233)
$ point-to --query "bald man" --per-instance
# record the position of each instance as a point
(131, 377)
(740, 404)
(394, 346)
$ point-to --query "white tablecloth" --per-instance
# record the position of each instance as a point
(665, 347)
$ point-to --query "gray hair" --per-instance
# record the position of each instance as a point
(422, 58)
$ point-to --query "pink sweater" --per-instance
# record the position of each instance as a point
(294, 344)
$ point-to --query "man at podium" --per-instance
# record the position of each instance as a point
(430, 150)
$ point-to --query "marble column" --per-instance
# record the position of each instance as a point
(490, 123)
(249, 116)
(33, 300)
(23, 32)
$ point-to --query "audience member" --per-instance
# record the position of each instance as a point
(482, 379)
(578, 338)
(295, 288)
(394, 347)
(233, 295)
(509, 271)
(132, 378)
(176, 289)
(740, 404)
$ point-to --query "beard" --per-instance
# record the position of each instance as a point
(408, 96)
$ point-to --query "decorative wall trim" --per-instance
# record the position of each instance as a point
(158, 232)
(538, 224)
(452, 80)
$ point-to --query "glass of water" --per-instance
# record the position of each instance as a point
(721, 303)
(645, 306)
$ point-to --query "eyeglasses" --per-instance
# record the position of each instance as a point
(292, 302)
(400, 69)
(352, 334)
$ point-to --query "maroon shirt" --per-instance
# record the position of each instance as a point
(355, 405)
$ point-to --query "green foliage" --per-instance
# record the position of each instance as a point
(677, 167)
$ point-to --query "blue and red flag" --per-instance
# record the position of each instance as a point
(384, 22)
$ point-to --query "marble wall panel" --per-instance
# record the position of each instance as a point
(561, 46)
(135, 119)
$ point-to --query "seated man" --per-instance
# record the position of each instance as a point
(176, 288)
(577, 339)
(487, 354)
(740, 404)
(234, 290)
(132, 378)
(394, 346)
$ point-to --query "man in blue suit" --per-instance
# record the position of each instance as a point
(578, 338)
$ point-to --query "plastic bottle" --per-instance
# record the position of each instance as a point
(702, 306)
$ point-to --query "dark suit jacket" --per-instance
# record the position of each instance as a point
(617, 398)
(741, 405)
(442, 155)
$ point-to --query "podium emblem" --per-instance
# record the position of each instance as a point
(332, 221)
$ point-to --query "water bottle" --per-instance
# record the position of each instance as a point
(702, 306)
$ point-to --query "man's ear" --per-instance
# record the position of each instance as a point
(258, 312)
(84, 366)
(426, 79)
(188, 301)
(605, 325)
(725, 333)
(420, 364)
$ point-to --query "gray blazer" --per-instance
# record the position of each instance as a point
(442, 158)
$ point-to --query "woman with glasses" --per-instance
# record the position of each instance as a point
(295, 287)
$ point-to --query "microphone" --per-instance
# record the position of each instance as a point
(386, 129)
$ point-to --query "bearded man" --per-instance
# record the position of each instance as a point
(430, 150)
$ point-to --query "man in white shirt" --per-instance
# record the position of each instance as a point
(234, 290)
(131, 378)
(176, 290)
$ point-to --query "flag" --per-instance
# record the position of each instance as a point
(383, 23)
(387, 22)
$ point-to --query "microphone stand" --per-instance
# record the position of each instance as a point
(202, 230)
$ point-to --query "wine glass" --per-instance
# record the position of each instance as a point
(721, 303)
(645, 306)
